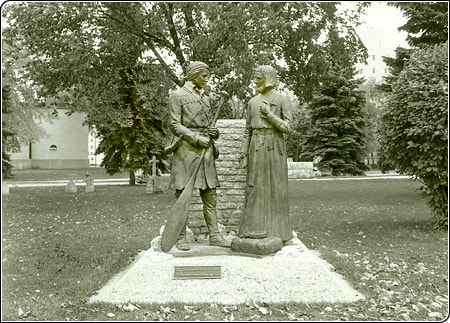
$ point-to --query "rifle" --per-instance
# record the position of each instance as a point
(179, 212)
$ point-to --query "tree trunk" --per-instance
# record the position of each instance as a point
(295, 154)
(132, 178)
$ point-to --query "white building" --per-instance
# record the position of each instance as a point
(380, 35)
(66, 145)
(377, 49)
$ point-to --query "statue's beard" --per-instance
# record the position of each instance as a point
(263, 88)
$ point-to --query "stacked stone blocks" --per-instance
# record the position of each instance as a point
(230, 194)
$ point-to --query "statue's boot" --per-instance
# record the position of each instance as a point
(210, 215)
(182, 243)
(215, 239)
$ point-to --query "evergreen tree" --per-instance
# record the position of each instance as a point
(130, 143)
(427, 22)
(295, 142)
(336, 136)
(395, 66)
(427, 25)
(337, 133)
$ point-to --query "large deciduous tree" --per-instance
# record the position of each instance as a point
(20, 115)
(414, 129)
(84, 62)
(86, 54)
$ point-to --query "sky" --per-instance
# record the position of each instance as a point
(382, 21)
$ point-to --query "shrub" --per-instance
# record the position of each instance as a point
(414, 125)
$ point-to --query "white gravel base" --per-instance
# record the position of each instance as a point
(294, 274)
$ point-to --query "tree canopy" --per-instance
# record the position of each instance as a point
(427, 22)
(78, 38)
(86, 56)
(20, 115)
(427, 25)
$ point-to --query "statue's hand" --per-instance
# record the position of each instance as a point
(203, 141)
(264, 109)
(213, 133)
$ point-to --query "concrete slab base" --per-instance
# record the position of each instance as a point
(293, 274)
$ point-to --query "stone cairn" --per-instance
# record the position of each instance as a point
(230, 194)
(71, 187)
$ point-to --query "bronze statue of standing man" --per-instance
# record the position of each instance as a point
(263, 152)
(191, 118)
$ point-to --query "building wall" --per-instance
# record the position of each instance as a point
(66, 145)
(379, 33)
(377, 48)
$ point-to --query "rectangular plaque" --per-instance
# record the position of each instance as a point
(197, 272)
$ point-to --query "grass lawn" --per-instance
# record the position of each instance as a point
(58, 249)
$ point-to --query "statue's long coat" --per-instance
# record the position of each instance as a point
(190, 112)
(266, 210)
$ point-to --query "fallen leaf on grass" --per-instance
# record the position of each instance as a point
(167, 309)
(263, 310)
(252, 304)
(435, 306)
(228, 309)
(22, 313)
(230, 318)
(190, 309)
(130, 307)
